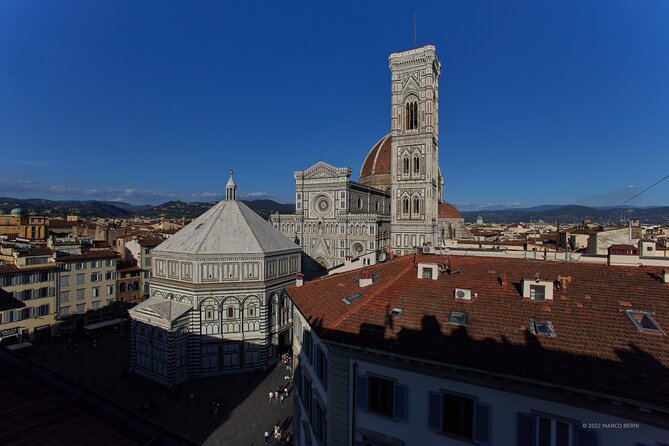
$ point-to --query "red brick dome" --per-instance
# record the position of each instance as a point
(375, 170)
(447, 210)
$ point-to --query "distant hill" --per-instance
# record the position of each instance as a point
(113, 209)
(569, 214)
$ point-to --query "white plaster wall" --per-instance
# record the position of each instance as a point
(505, 407)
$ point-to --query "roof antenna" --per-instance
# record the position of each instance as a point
(414, 30)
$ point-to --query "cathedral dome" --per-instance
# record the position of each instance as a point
(447, 210)
(375, 171)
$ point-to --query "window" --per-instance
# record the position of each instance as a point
(382, 395)
(96, 304)
(121, 287)
(350, 299)
(81, 294)
(110, 290)
(80, 278)
(95, 277)
(96, 291)
(307, 344)
(405, 205)
(64, 311)
(81, 309)
(458, 318)
(42, 310)
(459, 416)
(538, 292)
(209, 313)
(64, 296)
(359, 203)
(231, 312)
(251, 311)
(64, 280)
(109, 275)
(405, 166)
(544, 328)
(80, 265)
(411, 115)
(427, 273)
(95, 263)
(416, 165)
(416, 206)
(643, 321)
(547, 430)
(321, 366)
(395, 312)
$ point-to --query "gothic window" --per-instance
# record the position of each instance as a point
(359, 203)
(405, 205)
(231, 312)
(405, 166)
(416, 206)
(416, 165)
(411, 115)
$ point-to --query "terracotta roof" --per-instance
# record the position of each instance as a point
(13, 269)
(447, 210)
(377, 161)
(593, 333)
(149, 242)
(36, 252)
(93, 254)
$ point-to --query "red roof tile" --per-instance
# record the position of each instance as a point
(593, 334)
(92, 254)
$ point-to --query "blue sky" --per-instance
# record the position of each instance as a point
(540, 102)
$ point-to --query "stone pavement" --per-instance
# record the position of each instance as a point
(245, 412)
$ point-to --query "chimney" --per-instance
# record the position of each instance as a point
(366, 279)
(665, 276)
(299, 279)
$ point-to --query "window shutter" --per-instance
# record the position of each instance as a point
(482, 421)
(400, 402)
(361, 391)
(434, 411)
(525, 430)
(586, 438)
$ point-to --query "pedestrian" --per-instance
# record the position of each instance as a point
(285, 392)
(266, 437)
(271, 396)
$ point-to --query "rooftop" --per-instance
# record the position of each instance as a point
(592, 330)
(93, 254)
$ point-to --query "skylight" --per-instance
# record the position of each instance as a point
(350, 299)
(458, 318)
(542, 328)
(395, 312)
(643, 321)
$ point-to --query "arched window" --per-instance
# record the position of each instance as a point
(411, 115)
(405, 205)
(121, 287)
(416, 206)
(360, 203)
(135, 285)
(231, 312)
(376, 206)
(251, 311)
(405, 166)
(416, 165)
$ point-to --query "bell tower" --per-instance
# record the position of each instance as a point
(415, 170)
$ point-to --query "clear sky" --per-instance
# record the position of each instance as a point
(541, 102)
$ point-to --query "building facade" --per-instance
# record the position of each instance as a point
(399, 193)
(483, 350)
(217, 304)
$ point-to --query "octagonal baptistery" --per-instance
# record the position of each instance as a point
(216, 301)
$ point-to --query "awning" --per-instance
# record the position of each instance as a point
(92, 327)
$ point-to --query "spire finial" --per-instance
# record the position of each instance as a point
(231, 189)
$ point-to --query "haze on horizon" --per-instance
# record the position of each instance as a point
(540, 103)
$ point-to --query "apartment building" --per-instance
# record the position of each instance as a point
(488, 350)
(140, 249)
(35, 286)
(128, 281)
(86, 282)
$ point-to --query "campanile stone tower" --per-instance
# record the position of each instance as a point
(415, 147)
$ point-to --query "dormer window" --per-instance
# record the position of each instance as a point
(458, 318)
(644, 322)
(538, 292)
